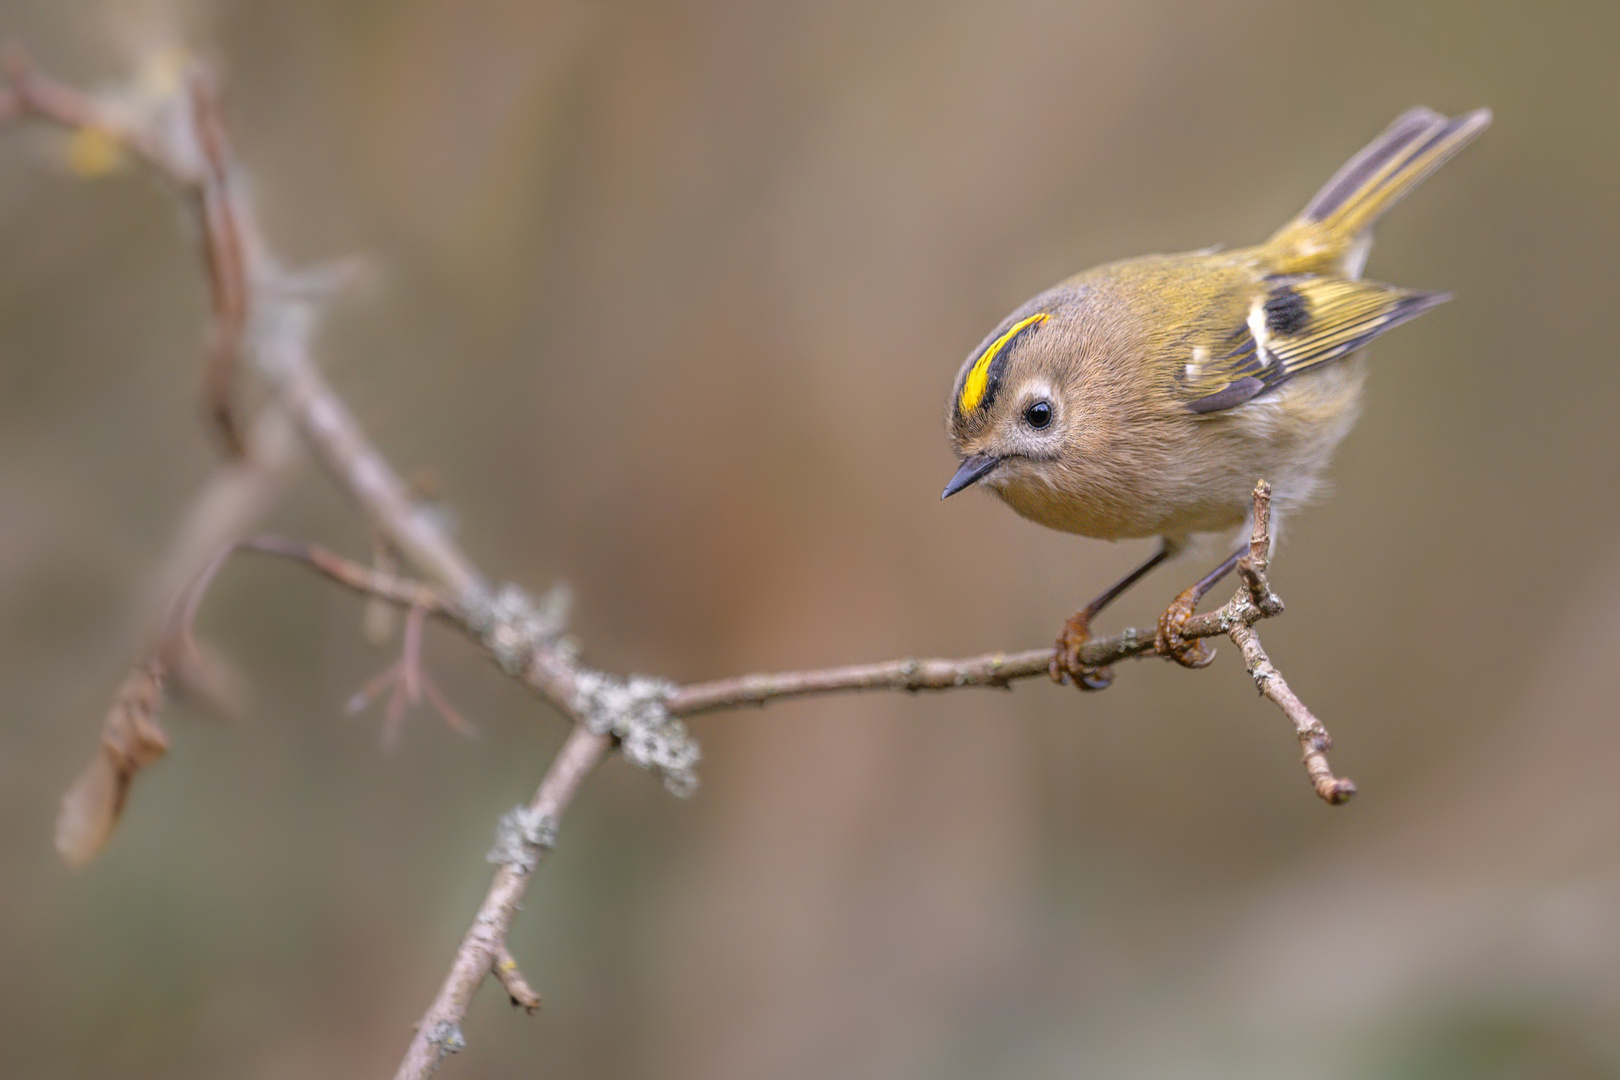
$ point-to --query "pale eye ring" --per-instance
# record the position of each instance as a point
(1038, 415)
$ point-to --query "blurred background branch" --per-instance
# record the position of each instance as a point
(260, 306)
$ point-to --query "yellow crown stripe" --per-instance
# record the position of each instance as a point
(978, 379)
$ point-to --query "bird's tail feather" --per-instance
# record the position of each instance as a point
(1417, 143)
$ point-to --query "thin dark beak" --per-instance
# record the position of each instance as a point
(972, 469)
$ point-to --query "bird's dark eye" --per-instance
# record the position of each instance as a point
(1039, 414)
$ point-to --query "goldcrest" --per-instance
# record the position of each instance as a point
(1146, 397)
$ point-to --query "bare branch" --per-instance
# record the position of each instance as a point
(990, 669)
(233, 499)
(1255, 601)
(367, 580)
(1236, 620)
(225, 259)
(408, 682)
(264, 317)
(29, 94)
(201, 169)
(517, 987)
(1314, 740)
(525, 837)
(268, 316)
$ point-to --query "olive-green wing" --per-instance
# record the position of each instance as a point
(1295, 324)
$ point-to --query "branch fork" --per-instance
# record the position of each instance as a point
(263, 314)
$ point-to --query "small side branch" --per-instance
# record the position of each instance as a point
(1314, 740)
(264, 321)
(226, 260)
(28, 94)
(197, 160)
(516, 986)
(366, 580)
(1236, 619)
(1254, 602)
(1257, 596)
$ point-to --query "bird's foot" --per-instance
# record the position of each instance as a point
(1169, 642)
(1066, 663)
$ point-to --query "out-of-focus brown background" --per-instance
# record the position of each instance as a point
(669, 296)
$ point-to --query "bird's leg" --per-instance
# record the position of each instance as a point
(1168, 641)
(1077, 631)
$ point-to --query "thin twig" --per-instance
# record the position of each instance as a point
(1255, 601)
(363, 579)
(267, 316)
(260, 311)
(1236, 619)
(483, 949)
(1314, 740)
(996, 670)
(29, 94)
(517, 987)
(225, 259)
(207, 183)
(408, 681)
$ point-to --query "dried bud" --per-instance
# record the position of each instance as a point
(131, 739)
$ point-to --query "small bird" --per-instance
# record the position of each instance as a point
(1146, 397)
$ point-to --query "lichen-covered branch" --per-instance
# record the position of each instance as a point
(1253, 602)
(267, 315)
(524, 837)
(264, 318)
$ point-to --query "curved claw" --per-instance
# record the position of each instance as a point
(1095, 678)
(1066, 663)
(1169, 642)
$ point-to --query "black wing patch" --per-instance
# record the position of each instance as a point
(1287, 310)
(1302, 322)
